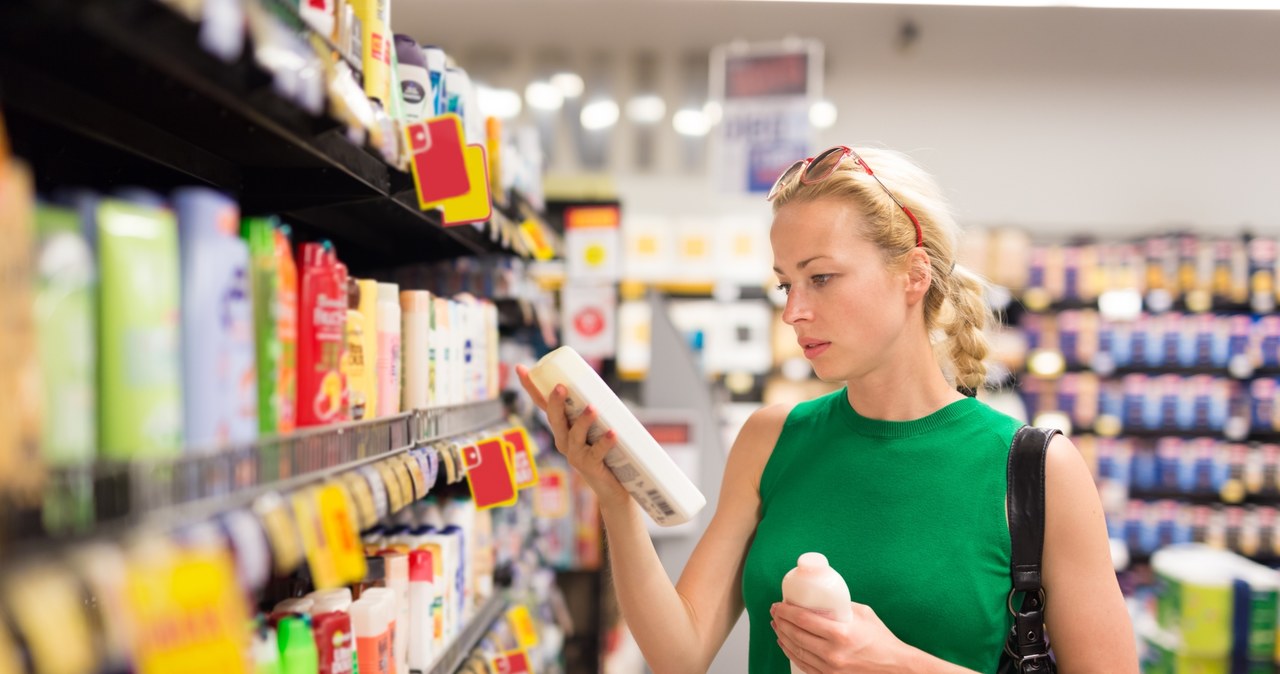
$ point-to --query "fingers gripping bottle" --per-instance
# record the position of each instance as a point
(643, 467)
(814, 585)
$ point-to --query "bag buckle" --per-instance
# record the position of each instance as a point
(1009, 602)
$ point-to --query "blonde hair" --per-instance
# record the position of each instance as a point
(954, 305)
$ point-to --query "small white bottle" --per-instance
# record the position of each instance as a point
(416, 324)
(814, 585)
(388, 349)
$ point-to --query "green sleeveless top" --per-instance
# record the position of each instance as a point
(910, 513)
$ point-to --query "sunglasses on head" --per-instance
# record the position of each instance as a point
(819, 168)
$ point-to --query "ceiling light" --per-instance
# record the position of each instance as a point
(543, 96)
(600, 115)
(500, 103)
(822, 114)
(646, 109)
(714, 112)
(569, 84)
(690, 122)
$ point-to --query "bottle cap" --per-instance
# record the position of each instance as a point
(813, 561)
(388, 292)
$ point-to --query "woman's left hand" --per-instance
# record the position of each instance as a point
(819, 645)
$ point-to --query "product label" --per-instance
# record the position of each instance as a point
(374, 654)
(187, 614)
(342, 533)
(413, 92)
(526, 468)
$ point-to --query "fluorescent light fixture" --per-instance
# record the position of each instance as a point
(690, 122)
(822, 114)
(646, 109)
(1260, 5)
(500, 103)
(543, 96)
(569, 84)
(600, 115)
(713, 111)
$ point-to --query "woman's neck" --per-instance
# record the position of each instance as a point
(909, 385)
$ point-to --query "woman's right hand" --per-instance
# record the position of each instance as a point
(571, 441)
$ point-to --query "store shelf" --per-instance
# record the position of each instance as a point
(89, 102)
(196, 487)
(456, 653)
(1202, 497)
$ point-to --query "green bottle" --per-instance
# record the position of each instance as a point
(259, 233)
(298, 654)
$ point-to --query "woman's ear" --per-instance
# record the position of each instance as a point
(919, 275)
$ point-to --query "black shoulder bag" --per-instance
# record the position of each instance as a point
(1026, 649)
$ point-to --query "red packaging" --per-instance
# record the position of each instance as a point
(335, 642)
(322, 327)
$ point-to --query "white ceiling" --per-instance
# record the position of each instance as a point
(627, 25)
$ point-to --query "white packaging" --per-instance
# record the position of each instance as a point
(814, 585)
(389, 345)
(398, 582)
(416, 321)
(461, 513)
(446, 582)
(637, 460)
(423, 601)
(491, 353)
(330, 601)
(440, 350)
(294, 605)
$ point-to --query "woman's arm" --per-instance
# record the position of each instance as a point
(1086, 618)
(679, 628)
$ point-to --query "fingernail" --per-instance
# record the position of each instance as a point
(611, 434)
(773, 625)
(591, 409)
(559, 390)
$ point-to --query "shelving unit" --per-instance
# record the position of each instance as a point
(89, 99)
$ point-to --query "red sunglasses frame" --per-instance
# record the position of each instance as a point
(804, 166)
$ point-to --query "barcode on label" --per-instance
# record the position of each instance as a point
(656, 497)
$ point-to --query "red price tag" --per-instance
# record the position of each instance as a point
(522, 460)
(490, 475)
(512, 662)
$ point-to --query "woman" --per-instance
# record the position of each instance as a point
(899, 478)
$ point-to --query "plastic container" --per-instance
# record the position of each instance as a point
(814, 585)
(264, 273)
(398, 584)
(322, 318)
(638, 461)
(415, 81)
(360, 356)
(298, 654)
(287, 331)
(220, 404)
(371, 624)
(335, 644)
(140, 364)
(389, 366)
(425, 606)
(415, 306)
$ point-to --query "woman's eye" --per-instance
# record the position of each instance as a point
(820, 280)
(785, 288)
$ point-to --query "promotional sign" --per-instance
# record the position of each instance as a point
(765, 92)
(592, 243)
(589, 315)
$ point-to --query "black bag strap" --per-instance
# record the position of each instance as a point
(1027, 643)
(1026, 504)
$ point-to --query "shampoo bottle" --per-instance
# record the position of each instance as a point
(322, 318)
(354, 362)
(388, 349)
(414, 308)
(260, 234)
(640, 463)
(287, 331)
(814, 585)
(218, 358)
(297, 645)
(140, 362)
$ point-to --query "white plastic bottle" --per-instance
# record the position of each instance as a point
(814, 585)
(388, 349)
(638, 461)
(414, 305)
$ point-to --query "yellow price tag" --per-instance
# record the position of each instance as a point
(396, 499)
(415, 472)
(522, 626)
(315, 540)
(187, 612)
(341, 531)
(537, 242)
(407, 491)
